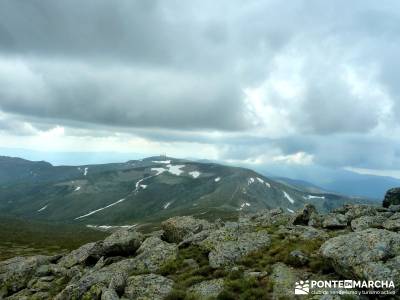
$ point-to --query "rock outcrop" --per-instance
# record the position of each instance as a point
(178, 228)
(149, 286)
(15, 273)
(121, 243)
(334, 220)
(283, 279)
(371, 254)
(231, 242)
(392, 197)
(392, 223)
(208, 289)
(153, 253)
(265, 252)
(303, 216)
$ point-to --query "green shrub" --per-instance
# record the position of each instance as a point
(176, 295)
(279, 251)
(244, 289)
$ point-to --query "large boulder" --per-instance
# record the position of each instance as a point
(150, 257)
(302, 217)
(195, 239)
(231, 242)
(392, 197)
(122, 242)
(393, 223)
(153, 254)
(394, 208)
(177, 229)
(304, 233)
(113, 276)
(109, 294)
(78, 256)
(150, 286)
(358, 210)
(334, 221)
(207, 289)
(371, 254)
(272, 217)
(15, 273)
(365, 222)
(283, 279)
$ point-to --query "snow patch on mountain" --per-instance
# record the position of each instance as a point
(85, 171)
(43, 208)
(158, 170)
(308, 197)
(290, 210)
(217, 179)
(260, 180)
(161, 161)
(243, 205)
(107, 227)
(167, 205)
(143, 186)
(138, 183)
(100, 209)
(195, 174)
(77, 188)
(176, 170)
(288, 197)
(250, 180)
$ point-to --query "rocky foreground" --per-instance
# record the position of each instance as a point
(260, 256)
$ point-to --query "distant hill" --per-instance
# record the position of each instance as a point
(301, 184)
(363, 185)
(335, 180)
(140, 191)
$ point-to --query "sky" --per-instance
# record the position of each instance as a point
(298, 83)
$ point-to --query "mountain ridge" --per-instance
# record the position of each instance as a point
(149, 189)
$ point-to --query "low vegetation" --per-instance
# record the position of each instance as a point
(24, 238)
(238, 286)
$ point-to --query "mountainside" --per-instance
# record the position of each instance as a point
(271, 254)
(144, 190)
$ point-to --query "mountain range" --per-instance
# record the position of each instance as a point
(146, 190)
(325, 178)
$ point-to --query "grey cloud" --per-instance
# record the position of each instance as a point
(219, 56)
(175, 71)
(133, 28)
(13, 126)
(126, 97)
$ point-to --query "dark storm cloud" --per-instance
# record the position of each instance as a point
(135, 29)
(217, 49)
(126, 97)
(127, 63)
(176, 71)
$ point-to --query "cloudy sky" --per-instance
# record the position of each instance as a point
(254, 82)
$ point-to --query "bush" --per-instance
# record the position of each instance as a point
(176, 295)
(244, 289)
